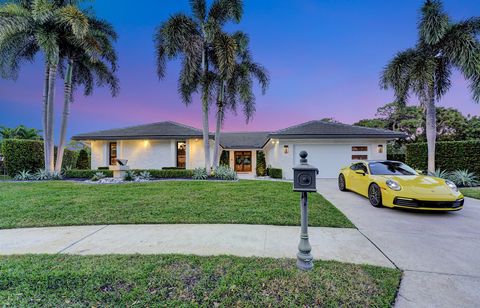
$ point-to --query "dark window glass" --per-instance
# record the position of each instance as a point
(359, 157)
(181, 154)
(113, 153)
(359, 148)
(390, 168)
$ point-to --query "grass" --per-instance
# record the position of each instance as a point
(174, 280)
(471, 192)
(244, 202)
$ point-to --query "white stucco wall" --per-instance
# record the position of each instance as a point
(328, 155)
(196, 153)
(99, 154)
(147, 154)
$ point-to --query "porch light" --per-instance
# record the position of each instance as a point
(145, 143)
(285, 149)
(380, 148)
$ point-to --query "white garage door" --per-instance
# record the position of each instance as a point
(328, 158)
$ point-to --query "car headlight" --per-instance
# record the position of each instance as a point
(393, 185)
(451, 185)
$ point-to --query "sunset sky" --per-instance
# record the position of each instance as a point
(324, 59)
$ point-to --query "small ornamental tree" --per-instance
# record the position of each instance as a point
(83, 161)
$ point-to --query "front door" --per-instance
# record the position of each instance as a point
(243, 161)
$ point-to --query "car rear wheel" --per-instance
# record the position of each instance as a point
(375, 195)
(341, 183)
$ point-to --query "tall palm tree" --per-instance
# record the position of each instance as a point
(29, 26)
(90, 62)
(426, 69)
(236, 88)
(196, 39)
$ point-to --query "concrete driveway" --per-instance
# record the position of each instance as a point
(438, 252)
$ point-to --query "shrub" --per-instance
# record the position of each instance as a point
(172, 168)
(144, 175)
(85, 174)
(98, 176)
(225, 173)
(129, 175)
(83, 160)
(168, 174)
(464, 178)
(443, 174)
(22, 155)
(23, 175)
(103, 168)
(275, 173)
(261, 164)
(200, 174)
(225, 158)
(450, 155)
(396, 157)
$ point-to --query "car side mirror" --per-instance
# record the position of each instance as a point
(361, 172)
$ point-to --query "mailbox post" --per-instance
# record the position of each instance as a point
(304, 181)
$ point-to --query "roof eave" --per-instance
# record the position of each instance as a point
(333, 136)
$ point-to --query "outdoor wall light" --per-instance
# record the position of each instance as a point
(285, 149)
(145, 143)
(380, 148)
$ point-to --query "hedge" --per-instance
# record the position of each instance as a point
(396, 157)
(261, 164)
(83, 160)
(275, 173)
(155, 173)
(20, 154)
(450, 155)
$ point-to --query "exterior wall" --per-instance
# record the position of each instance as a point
(147, 154)
(196, 154)
(328, 154)
(99, 154)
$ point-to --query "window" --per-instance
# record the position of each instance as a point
(181, 154)
(113, 153)
(359, 157)
(359, 148)
(391, 168)
(359, 166)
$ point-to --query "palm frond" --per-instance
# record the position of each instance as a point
(199, 9)
(224, 10)
(433, 23)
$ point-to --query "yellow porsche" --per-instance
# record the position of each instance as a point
(396, 185)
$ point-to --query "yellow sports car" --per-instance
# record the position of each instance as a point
(394, 184)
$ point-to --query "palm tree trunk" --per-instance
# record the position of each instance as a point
(206, 133)
(44, 114)
(50, 117)
(431, 130)
(65, 115)
(220, 105)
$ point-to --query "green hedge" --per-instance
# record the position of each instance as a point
(261, 164)
(85, 174)
(20, 154)
(396, 157)
(450, 155)
(275, 173)
(155, 173)
(83, 160)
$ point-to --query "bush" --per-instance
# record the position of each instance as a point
(23, 175)
(168, 174)
(83, 160)
(97, 176)
(225, 158)
(463, 178)
(450, 155)
(85, 174)
(200, 174)
(144, 175)
(129, 176)
(172, 168)
(275, 173)
(225, 173)
(261, 164)
(103, 168)
(20, 154)
(397, 157)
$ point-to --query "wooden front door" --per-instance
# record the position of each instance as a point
(243, 161)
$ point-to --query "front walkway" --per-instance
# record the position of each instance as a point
(345, 245)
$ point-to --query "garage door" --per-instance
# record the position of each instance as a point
(328, 158)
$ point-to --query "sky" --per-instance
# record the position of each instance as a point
(324, 58)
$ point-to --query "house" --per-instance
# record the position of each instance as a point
(330, 146)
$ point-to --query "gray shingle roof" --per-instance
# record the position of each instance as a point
(160, 130)
(321, 129)
(244, 140)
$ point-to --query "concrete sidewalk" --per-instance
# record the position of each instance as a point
(340, 244)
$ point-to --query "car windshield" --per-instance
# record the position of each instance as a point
(390, 168)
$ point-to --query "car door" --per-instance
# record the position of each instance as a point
(357, 179)
(363, 180)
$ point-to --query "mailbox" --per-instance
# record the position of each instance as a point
(304, 175)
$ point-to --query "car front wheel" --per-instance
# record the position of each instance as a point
(341, 183)
(375, 195)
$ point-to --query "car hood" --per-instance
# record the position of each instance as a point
(421, 184)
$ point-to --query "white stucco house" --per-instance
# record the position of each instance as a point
(330, 146)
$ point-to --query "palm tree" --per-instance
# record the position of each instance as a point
(426, 69)
(88, 63)
(236, 88)
(29, 26)
(196, 40)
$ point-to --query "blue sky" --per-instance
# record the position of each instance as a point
(324, 58)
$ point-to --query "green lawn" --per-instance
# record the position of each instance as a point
(173, 280)
(242, 202)
(471, 192)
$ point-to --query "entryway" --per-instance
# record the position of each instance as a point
(243, 161)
